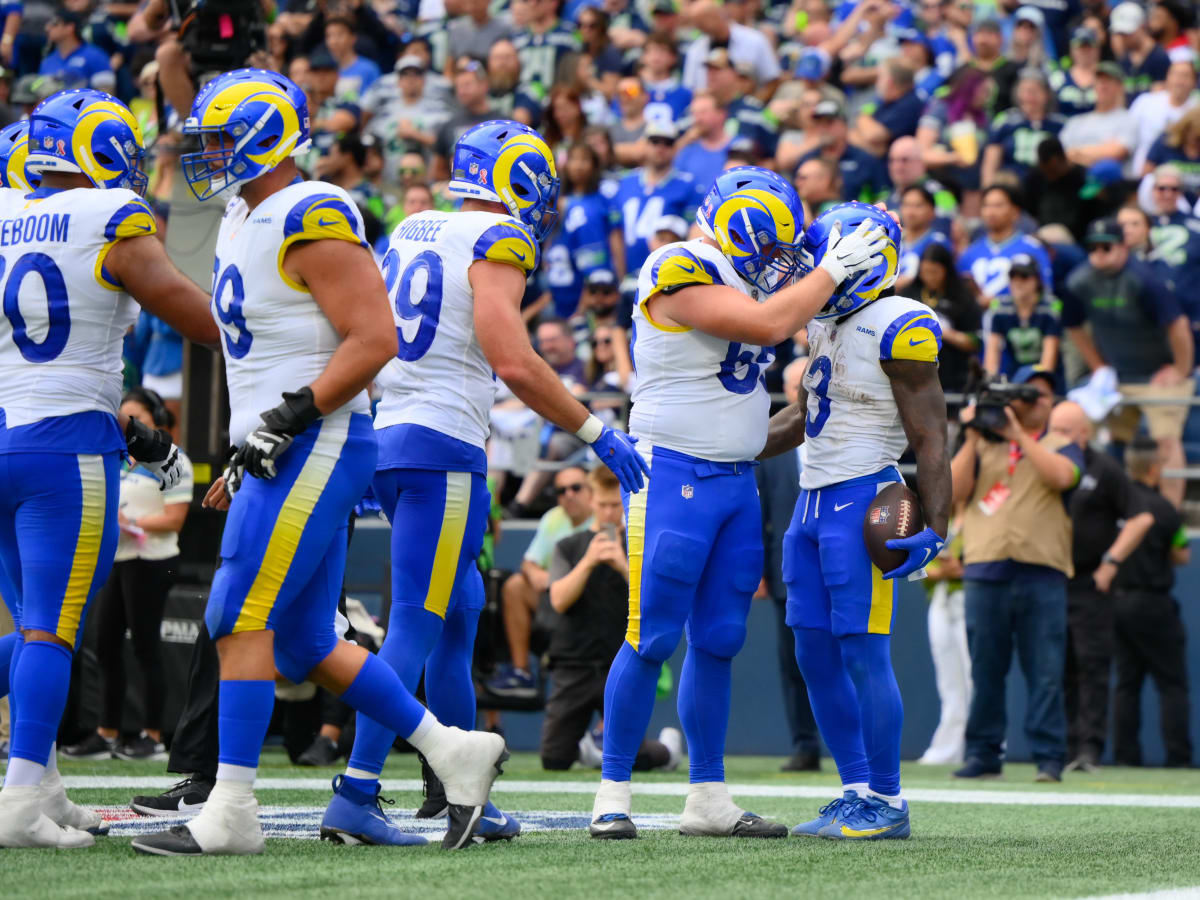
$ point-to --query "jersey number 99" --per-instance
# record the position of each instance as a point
(233, 321)
(58, 313)
(426, 309)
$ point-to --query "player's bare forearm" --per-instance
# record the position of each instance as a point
(345, 282)
(501, 333)
(785, 431)
(142, 267)
(922, 407)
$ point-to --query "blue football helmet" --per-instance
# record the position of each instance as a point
(89, 132)
(864, 287)
(757, 220)
(14, 151)
(248, 121)
(507, 162)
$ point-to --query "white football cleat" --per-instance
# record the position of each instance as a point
(467, 762)
(62, 811)
(23, 824)
(709, 811)
(227, 826)
(612, 817)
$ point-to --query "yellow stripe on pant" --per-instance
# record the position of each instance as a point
(449, 545)
(94, 492)
(289, 527)
(883, 592)
(635, 535)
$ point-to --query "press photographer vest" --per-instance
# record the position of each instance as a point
(1031, 526)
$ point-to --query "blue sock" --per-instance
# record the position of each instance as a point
(243, 714)
(41, 681)
(704, 685)
(412, 632)
(628, 702)
(868, 660)
(376, 692)
(8, 647)
(834, 702)
(448, 685)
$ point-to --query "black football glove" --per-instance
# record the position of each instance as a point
(257, 454)
(153, 449)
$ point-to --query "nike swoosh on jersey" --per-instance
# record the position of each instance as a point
(837, 508)
(520, 256)
(913, 343)
(854, 832)
(325, 223)
(690, 269)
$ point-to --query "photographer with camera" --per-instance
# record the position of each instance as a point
(1011, 474)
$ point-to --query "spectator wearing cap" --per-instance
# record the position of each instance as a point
(862, 174)
(542, 42)
(1154, 112)
(1180, 146)
(1169, 22)
(819, 184)
(1107, 132)
(892, 113)
(987, 260)
(918, 216)
(581, 245)
(1074, 86)
(1142, 60)
(917, 54)
(75, 63)
(330, 115)
(1016, 562)
(812, 67)
(668, 99)
(402, 115)
(731, 86)
(1024, 328)
(1149, 632)
(628, 131)
(473, 105)
(744, 45)
(476, 31)
(1138, 328)
(706, 143)
(507, 98)
(1015, 135)
(646, 194)
(355, 73)
(1028, 42)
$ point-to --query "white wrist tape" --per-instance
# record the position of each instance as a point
(590, 430)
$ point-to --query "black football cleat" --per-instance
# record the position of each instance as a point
(462, 820)
(176, 841)
(434, 805)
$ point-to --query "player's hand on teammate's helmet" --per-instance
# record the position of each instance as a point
(856, 252)
(257, 454)
(616, 450)
(154, 450)
(922, 548)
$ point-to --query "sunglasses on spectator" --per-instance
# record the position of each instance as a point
(1168, 188)
(572, 488)
(662, 141)
(411, 170)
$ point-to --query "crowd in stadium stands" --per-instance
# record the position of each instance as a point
(1043, 158)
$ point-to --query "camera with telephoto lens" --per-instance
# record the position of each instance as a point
(220, 35)
(990, 400)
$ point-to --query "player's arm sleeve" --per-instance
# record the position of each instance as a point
(320, 217)
(509, 243)
(914, 335)
(132, 219)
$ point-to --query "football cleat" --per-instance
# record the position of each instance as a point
(462, 820)
(613, 827)
(61, 811)
(175, 841)
(754, 825)
(869, 819)
(228, 826)
(494, 825)
(321, 752)
(23, 824)
(826, 815)
(467, 762)
(186, 798)
(356, 817)
(709, 811)
(434, 806)
(92, 747)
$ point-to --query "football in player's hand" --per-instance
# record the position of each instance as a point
(894, 513)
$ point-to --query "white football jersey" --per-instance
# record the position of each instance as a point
(853, 426)
(64, 315)
(274, 335)
(440, 378)
(695, 393)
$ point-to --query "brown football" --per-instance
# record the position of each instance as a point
(894, 513)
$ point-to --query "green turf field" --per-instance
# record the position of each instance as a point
(1121, 830)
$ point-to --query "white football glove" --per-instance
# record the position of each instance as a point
(856, 252)
(169, 470)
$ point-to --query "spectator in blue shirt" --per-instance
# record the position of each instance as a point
(1015, 135)
(1145, 63)
(864, 176)
(668, 98)
(988, 259)
(75, 63)
(893, 113)
(355, 73)
(708, 142)
(582, 243)
(1024, 328)
(918, 216)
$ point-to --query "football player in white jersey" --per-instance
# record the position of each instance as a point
(709, 313)
(456, 280)
(871, 390)
(75, 253)
(304, 316)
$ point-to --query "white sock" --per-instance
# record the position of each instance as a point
(859, 787)
(896, 802)
(361, 774)
(710, 801)
(430, 732)
(23, 773)
(227, 772)
(613, 797)
(52, 762)
(711, 792)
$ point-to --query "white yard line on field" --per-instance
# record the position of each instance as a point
(1187, 893)
(676, 789)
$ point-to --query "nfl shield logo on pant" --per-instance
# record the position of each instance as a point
(687, 491)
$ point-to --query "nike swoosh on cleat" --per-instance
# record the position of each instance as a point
(837, 508)
(868, 832)
(185, 807)
(499, 823)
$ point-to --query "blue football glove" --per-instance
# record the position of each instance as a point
(922, 548)
(615, 449)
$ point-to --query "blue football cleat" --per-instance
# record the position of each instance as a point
(356, 817)
(494, 825)
(869, 819)
(826, 815)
